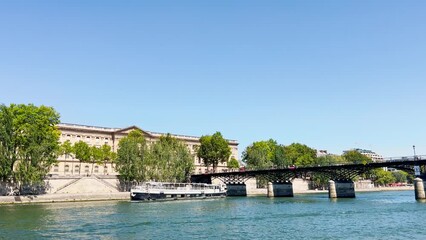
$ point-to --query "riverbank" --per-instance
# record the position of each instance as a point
(66, 197)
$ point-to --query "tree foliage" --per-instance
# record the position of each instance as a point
(170, 160)
(214, 150)
(66, 148)
(381, 177)
(29, 142)
(261, 154)
(300, 154)
(400, 176)
(132, 157)
(328, 160)
(233, 163)
(82, 152)
(356, 157)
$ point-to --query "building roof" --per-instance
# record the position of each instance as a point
(118, 130)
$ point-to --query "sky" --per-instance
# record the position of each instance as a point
(330, 74)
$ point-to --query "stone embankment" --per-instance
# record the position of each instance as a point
(64, 197)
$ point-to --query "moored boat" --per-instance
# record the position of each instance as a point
(176, 191)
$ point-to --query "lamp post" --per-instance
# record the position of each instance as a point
(414, 149)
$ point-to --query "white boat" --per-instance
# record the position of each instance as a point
(176, 191)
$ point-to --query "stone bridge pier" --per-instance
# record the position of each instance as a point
(419, 188)
(280, 189)
(341, 189)
(236, 189)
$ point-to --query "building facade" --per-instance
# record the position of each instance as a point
(97, 136)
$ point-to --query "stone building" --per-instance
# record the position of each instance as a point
(98, 136)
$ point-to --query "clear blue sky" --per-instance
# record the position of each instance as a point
(330, 74)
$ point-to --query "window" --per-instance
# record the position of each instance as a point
(96, 169)
(105, 169)
(56, 168)
(77, 168)
(88, 137)
(86, 169)
(67, 168)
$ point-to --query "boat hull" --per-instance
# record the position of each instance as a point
(139, 196)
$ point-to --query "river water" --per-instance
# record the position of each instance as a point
(373, 215)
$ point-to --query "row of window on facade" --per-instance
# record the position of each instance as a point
(77, 169)
(86, 137)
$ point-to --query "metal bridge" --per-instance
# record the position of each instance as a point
(332, 172)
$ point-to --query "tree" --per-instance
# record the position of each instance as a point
(356, 157)
(262, 154)
(107, 154)
(382, 177)
(82, 152)
(8, 143)
(233, 163)
(132, 158)
(300, 154)
(29, 142)
(96, 156)
(328, 160)
(170, 160)
(279, 159)
(67, 150)
(400, 176)
(214, 150)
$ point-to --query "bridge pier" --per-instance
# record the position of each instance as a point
(341, 189)
(236, 189)
(419, 188)
(280, 189)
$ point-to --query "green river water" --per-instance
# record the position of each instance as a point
(373, 215)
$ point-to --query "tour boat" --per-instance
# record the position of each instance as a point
(176, 191)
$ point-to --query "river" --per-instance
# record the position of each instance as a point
(371, 215)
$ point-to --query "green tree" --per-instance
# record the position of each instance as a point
(132, 156)
(8, 143)
(214, 150)
(107, 154)
(262, 154)
(170, 160)
(96, 156)
(67, 149)
(400, 176)
(328, 160)
(300, 154)
(381, 177)
(29, 142)
(82, 152)
(279, 159)
(356, 157)
(233, 163)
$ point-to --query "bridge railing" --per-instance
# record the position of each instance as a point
(387, 159)
(404, 158)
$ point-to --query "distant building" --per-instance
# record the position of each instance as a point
(322, 153)
(98, 136)
(374, 156)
